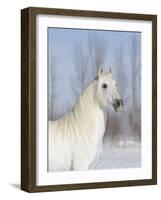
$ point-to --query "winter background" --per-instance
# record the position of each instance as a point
(74, 57)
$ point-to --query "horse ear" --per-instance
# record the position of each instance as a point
(100, 71)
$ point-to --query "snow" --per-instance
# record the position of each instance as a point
(124, 154)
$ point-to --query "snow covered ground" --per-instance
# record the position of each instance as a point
(122, 155)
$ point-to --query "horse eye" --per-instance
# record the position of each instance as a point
(104, 86)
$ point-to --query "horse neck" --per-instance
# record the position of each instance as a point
(88, 105)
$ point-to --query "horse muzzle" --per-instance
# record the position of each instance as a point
(118, 105)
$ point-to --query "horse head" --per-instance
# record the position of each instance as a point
(107, 91)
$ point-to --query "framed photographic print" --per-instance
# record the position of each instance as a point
(88, 99)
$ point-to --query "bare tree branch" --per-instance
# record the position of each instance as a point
(97, 51)
(53, 87)
(121, 74)
(79, 77)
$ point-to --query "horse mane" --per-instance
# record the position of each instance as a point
(78, 133)
(86, 98)
(83, 108)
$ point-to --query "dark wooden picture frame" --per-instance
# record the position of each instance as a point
(28, 98)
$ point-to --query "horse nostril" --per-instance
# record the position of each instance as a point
(118, 103)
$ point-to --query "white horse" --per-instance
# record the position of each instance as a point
(75, 140)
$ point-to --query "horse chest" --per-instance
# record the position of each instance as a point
(99, 125)
(92, 142)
